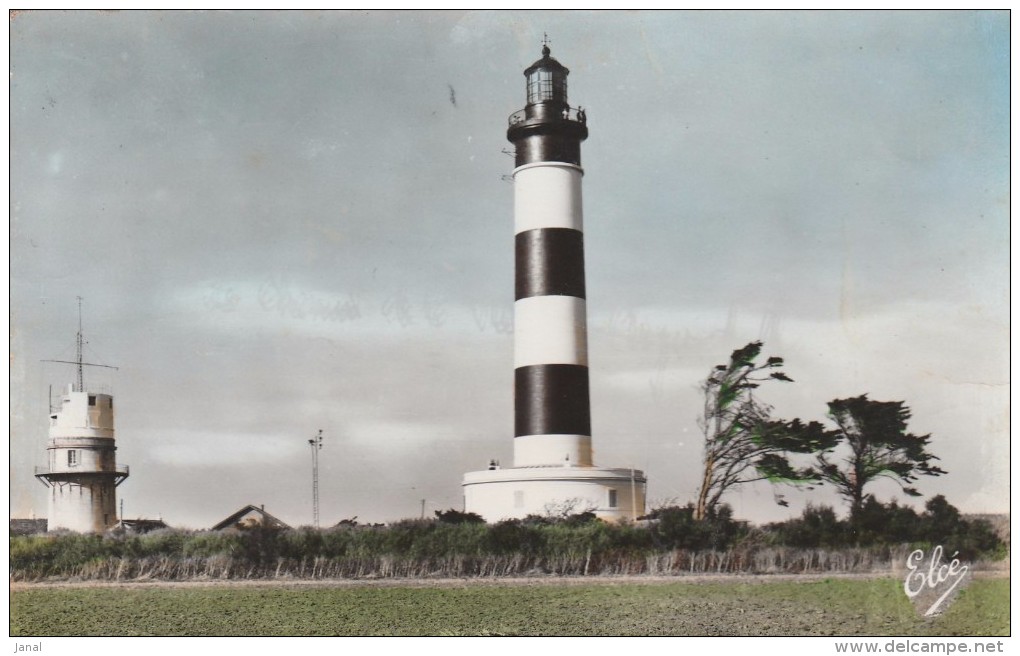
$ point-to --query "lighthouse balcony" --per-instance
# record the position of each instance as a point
(47, 476)
(530, 115)
(548, 119)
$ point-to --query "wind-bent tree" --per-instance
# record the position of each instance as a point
(879, 447)
(742, 443)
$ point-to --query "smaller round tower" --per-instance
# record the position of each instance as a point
(82, 472)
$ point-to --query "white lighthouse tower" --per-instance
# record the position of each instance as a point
(553, 466)
(82, 474)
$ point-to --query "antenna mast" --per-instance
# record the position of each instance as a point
(80, 355)
(316, 444)
(80, 343)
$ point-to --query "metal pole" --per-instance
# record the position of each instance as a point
(80, 343)
(423, 508)
(633, 497)
(316, 444)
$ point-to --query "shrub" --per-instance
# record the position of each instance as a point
(452, 516)
(515, 536)
(818, 526)
(887, 525)
(675, 528)
(943, 524)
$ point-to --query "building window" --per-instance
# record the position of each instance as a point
(72, 458)
(518, 498)
(92, 399)
(612, 499)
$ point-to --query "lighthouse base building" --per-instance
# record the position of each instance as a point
(553, 472)
(516, 492)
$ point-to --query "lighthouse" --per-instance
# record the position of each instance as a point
(553, 469)
(82, 473)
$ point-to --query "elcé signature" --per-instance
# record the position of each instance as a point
(936, 575)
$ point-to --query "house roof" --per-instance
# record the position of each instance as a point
(264, 518)
(142, 525)
(28, 526)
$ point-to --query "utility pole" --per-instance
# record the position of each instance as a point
(633, 496)
(316, 444)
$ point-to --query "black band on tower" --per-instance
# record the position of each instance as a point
(548, 147)
(551, 399)
(550, 262)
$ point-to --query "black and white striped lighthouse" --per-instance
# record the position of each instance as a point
(552, 422)
(553, 471)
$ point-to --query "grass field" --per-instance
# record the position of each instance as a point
(602, 607)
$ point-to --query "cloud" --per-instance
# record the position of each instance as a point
(177, 448)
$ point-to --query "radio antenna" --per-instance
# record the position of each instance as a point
(79, 355)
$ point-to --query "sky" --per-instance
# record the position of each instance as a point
(286, 222)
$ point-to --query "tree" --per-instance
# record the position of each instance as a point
(561, 510)
(879, 447)
(742, 443)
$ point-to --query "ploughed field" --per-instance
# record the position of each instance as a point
(732, 606)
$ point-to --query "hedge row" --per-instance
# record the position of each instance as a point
(456, 544)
